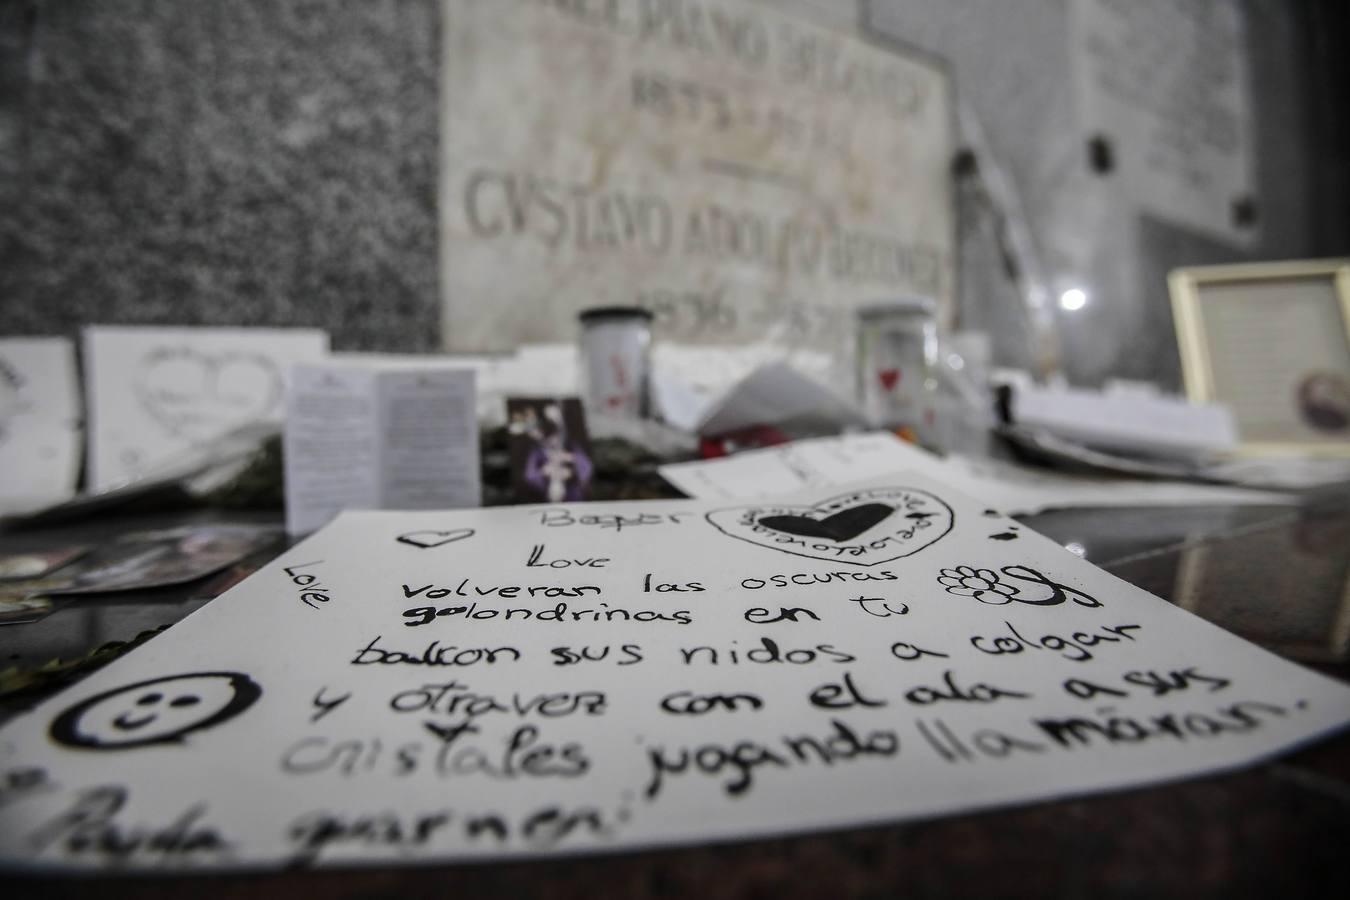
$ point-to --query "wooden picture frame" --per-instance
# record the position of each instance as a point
(1272, 342)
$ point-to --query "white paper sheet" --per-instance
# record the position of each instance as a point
(405, 687)
(1127, 421)
(777, 394)
(1011, 489)
(39, 423)
(379, 433)
(155, 392)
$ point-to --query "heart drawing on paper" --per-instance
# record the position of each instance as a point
(865, 528)
(427, 540)
(844, 525)
(199, 396)
(889, 378)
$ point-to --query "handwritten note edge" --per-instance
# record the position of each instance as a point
(549, 680)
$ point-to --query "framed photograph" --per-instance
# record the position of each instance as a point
(1272, 342)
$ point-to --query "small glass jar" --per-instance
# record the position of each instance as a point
(616, 360)
(895, 360)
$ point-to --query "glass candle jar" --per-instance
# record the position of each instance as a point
(616, 360)
(896, 353)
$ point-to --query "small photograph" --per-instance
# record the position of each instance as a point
(1324, 401)
(20, 610)
(38, 563)
(154, 559)
(550, 449)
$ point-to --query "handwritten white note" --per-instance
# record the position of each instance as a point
(1011, 489)
(379, 434)
(39, 423)
(408, 686)
(154, 393)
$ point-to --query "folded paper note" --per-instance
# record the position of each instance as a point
(414, 686)
(1011, 489)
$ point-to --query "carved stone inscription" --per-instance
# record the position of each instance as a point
(741, 172)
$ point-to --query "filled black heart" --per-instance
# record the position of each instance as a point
(426, 540)
(844, 525)
(865, 527)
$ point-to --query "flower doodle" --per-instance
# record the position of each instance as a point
(982, 584)
(985, 586)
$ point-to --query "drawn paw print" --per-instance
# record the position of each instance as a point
(982, 584)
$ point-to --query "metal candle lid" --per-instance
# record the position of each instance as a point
(613, 313)
(902, 305)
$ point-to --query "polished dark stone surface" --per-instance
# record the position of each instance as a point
(1276, 829)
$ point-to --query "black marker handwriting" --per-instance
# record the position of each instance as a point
(92, 826)
(911, 652)
(1074, 647)
(536, 560)
(452, 750)
(523, 753)
(803, 579)
(841, 695)
(990, 743)
(563, 518)
(626, 655)
(880, 607)
(740, 761)
(312, 593)
(1162, 683)
(1158, 683)
(689, 703)
(506, 592)
(543, 828)
(950, 691)
(314, 832)
(768, 652)
(433, 655)
(760, 615)
(559, 612)
(325, 706)
(666, 588)
(455, 699)
(1106, 727)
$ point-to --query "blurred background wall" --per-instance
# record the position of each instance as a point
(275, 162)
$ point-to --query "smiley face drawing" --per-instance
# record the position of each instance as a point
(158, 711)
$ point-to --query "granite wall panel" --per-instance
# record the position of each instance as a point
(200, 162)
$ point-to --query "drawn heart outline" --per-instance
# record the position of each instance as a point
(913, 519)
(198, 395)
(427, 539)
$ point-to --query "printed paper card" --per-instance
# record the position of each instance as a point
(379, 433)
(39, 423)
(414, 686)
(156, 392)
